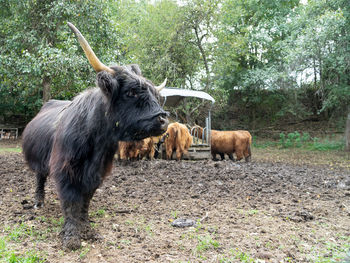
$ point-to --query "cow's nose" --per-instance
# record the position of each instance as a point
(163, 122)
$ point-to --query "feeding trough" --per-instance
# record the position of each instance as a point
(200, 148)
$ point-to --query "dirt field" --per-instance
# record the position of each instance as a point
(263, 211)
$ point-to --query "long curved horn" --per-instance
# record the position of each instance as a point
(93, 59)
(161, 86)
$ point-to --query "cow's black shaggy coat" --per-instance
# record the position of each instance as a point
(75, 141)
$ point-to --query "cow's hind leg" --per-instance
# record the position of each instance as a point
(179, 152)
(248, 154)
(40, 189)
(169, 153)
(239, 155)
(222, 155)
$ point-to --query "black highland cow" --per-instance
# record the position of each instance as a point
(75, 141)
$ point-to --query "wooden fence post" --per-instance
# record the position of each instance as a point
(347, 134)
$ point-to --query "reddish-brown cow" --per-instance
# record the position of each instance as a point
(178, 139)
(136, 149)
(229, 142)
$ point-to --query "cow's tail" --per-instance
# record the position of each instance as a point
(249, 157)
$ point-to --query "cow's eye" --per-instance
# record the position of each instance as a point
(132, 93)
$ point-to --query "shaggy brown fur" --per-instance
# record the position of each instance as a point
(178, 139)
(136, 150)
(229, 142)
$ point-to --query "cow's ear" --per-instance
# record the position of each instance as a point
(136, 69)
(106, 82)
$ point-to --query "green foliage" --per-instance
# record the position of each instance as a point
(296, 140)
(156, 36)
(263, 61)
(273, 46)
(326, 144)
(38, 49)
(293, 139)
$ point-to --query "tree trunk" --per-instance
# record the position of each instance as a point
(46, 89)
(347, 134)
(205, 61)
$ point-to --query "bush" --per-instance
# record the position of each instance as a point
(296, 140)
(293, 139)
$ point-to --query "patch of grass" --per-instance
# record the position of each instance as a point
(302, 156)
(205, 243)
(8, 255)
(57, 222)
(335, 252)
(53, 224)
(244, 257)
(295, 140)
(125, 242)
(18, 232)
(7, 149)
(174, 214)
(148, 229)
(253, 212)
(129, 222)
(99, 213)
(326, 144)
(83, 252)
(238, 255)
(304, 140)
(263, 144)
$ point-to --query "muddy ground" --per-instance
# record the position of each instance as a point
(245, 212)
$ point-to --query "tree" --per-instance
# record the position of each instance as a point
(347, 134)
(153, 36)
(318, 46)
(200, 19)
(40, 58)
(249, 57)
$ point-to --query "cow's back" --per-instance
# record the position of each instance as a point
(184, 137)
(222, 142)
(170, 141)
(37, 137)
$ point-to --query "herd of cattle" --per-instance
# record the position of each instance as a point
(178, 139)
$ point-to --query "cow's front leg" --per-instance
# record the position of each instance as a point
(71, 234)
(231, 157)
(86, 231)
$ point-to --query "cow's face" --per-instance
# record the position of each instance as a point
(133, 104)
(131, 99)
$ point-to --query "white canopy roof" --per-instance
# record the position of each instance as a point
(174, 95)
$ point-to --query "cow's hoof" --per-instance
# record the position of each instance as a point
(38, 205)
(71, 242)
